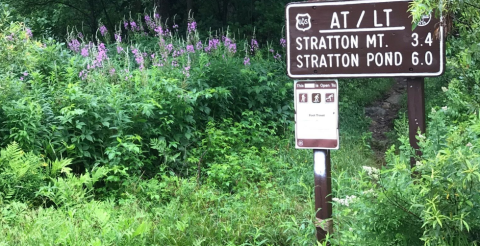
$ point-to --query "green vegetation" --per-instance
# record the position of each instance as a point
(437, 202)
(262, 19)
(170, 139)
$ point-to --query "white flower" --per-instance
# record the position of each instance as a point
(444, 89)
(346, 202)
(433, 110)
(470, 145)
(418, 164)
(445, 108)
(367, 191)
(371, 171)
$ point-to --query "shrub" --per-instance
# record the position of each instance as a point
(21, 174)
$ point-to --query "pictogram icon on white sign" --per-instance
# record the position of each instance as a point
(316, 98)
(303, 98)
(329, 97)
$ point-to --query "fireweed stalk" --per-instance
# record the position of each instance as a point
(171, 54)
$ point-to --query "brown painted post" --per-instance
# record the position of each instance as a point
(323, 191)
(416, 112)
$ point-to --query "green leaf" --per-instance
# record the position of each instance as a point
(469, 203)
(466, 225)
(140, 229)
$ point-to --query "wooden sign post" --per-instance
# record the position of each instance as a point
(352, 39)
(416, 112)
(323, 189)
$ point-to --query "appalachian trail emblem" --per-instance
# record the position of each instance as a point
(303, 22)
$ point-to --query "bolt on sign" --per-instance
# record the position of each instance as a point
(372, 38)
(316, 114)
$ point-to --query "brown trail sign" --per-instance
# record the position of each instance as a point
(361, 39)
(364, 38)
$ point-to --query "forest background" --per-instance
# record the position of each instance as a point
(122, 123)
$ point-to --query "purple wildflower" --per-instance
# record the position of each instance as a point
(174, 64)
(271, 50)
(103, 30)
(187, 71)
(175, 26)
(119, 49)
(170, 47)
(83, 74)
(199, 45)
(133, 25)
(21, 78)
(190, 48)
(80, 35)
(192, 26)
(213, 43)
(101, 56)
(85, 52)
(74, 45)
(254, 45)
(232, 48)
(112, 71)
(157, 16)
(29, 32)
(139, 58)
(159, 30)
(176, 53)
(227, 41)
(246, 61)
(283, 42)
(25, 74)
(149, 21)
(125, 24)
(277, 56)
(118, 37)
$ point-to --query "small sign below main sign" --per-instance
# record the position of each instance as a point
(366, 38)
(316, 114)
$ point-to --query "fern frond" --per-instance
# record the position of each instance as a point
(11, 154)
(60, 166)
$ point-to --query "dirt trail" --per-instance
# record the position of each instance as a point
(383, 112)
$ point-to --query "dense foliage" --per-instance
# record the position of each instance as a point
(155, 133)
(263, 19)
(143, 138)
(437, 202)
